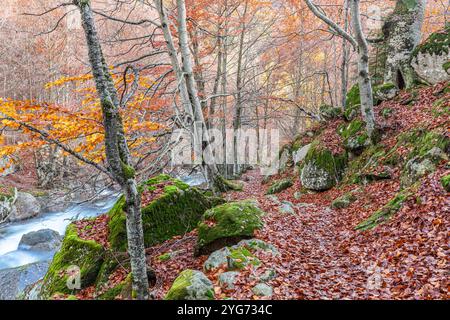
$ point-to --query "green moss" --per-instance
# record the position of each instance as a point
(441, 107)
(353, 97)
(359, 170)
(386, 112)
(87, 255)
(438, 43)
(446, 182)
(241, 257)
(344, 201)
(235, 220)
(120, 289)
(175, 212)
(329, 112)
(180, 287)
(446, 66)
(128, 171)
(385, 213)
(351, 112)
(165, 257)
(279, 186)
(425, 141)
(321, 169)
(228, 185)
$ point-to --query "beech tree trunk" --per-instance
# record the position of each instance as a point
(117, 153)
(359, 42)
(365, 84)
(402, 33)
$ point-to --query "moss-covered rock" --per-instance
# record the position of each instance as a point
(430, 148)
(87, 255)
(240, 257)
(354, 135)
(228, 224)
(384, 92)
(430, 59)
(279, 186)
(446, 182)
(175, 211)
(232, 185)
(344, 202)
(328, 112)
(191, 285)
(351, 112)
(322, 170)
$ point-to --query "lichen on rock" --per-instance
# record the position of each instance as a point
(191, 285)
(322, 170)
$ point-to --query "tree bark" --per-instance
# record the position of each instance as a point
(117, 154)
(365, 85)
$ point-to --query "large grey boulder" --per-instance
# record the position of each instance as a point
(42, 240)
(430, 60)
(13, 282)
(26, 206)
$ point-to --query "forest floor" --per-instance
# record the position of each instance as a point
(322, 256)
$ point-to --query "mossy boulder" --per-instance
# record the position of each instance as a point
(430, 59)
(328, 112)
(354, 136)
(239, 256)
(384, 92)
(322, 169)
(175, 209)
(191, 285)
(87, 255)
(227, 225)
(430, 148)
(343, 202)
(279, 186)
(351, 112)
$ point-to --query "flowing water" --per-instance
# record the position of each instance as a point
(10, 234)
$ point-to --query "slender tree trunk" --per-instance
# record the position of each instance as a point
(238, 108)
(344, 65)
(365, 85)
(117, 153)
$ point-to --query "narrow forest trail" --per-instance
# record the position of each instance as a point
(323, 257)
(312, 262)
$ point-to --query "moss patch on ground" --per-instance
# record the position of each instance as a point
(279, 186)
